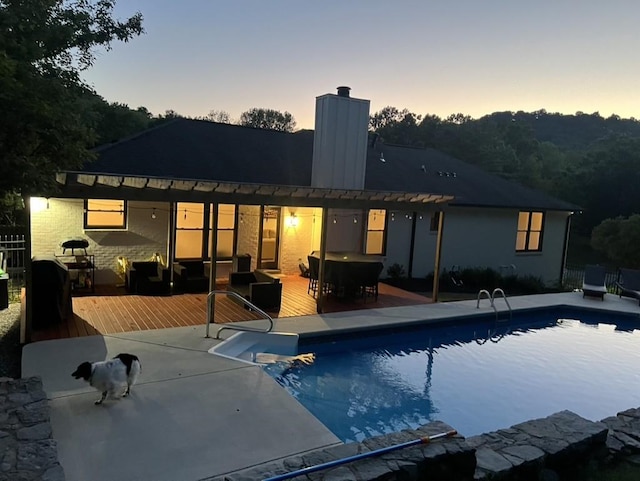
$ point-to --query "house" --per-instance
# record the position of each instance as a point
(278, 196)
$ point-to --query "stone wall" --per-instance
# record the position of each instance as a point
(28, 451)
(538, 449)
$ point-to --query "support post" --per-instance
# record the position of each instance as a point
(436, 268)
(213, 268)
(323, 247)
(26, 323)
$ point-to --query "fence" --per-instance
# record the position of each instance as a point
(12, 247)
(574, 276)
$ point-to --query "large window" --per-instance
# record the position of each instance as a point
(105, 214)
(193, 240)
(530, 228)
(226, 231)
(189, 230)
(376, 229)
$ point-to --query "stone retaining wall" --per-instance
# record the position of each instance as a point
(536, 449)
(533, 450)
(28, 451)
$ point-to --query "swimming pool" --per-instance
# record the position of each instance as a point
(476, 375)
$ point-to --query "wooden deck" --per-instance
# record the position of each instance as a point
(111, 310)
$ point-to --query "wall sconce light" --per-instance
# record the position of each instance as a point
(335, 219)
(393, 216)
(292, 221)
(153, 213)
(355, 219)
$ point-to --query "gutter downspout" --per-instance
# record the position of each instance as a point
(413, 244)
(565, 248)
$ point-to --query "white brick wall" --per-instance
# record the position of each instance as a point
(64, 220)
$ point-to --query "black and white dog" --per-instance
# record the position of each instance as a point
(110, 377)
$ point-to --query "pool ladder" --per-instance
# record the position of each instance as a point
(492, 298)
(211, 314)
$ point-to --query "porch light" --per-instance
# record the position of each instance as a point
(355, 219)
(153, 213)
(292, 221)
(38, 204)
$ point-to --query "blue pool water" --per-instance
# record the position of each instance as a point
(476, 376)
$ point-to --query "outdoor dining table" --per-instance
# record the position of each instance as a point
(348, 272)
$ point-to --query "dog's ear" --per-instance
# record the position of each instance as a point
(83, 371)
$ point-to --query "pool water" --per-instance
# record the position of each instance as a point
(475, 376)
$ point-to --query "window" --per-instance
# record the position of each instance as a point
(376, 229)
(105, 214)
(193, 241)
(529, 237)
(189, 230)
(226, 231)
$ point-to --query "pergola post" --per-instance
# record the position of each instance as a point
(323, 248)
(436, 268)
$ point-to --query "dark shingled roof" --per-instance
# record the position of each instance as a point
(200, 150)
(196, 149)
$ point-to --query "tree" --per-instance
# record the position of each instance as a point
(219, 116)
(44, 45)
(619, 240)
(268, 119)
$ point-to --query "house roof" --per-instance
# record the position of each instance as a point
(207, 157)
(416, 169)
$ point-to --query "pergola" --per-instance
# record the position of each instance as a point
(83, 185)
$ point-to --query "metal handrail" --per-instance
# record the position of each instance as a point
(484, 291)
(497, 290)
(492, 298)
(211, 313)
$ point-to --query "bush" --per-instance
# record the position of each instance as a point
(476, 278)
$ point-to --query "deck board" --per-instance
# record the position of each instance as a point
(110, 310)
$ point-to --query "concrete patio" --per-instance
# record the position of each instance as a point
(195, 415)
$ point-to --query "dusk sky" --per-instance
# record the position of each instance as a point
(431, 57)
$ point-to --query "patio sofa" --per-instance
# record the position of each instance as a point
(190, 276)
(148, 278)
(258, 287)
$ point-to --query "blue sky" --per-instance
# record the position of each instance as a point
(431, 57)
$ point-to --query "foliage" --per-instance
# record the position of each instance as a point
(268, 119)
(476, 278)
(584, 159)
(219, 116)
(619, 239)
(43, 47)
(396, 271)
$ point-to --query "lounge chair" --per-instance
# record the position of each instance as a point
(594, 284)
(628, 283)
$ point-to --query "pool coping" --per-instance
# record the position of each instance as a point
(234, 415)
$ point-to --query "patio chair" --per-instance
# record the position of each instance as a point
(628, 284)
(593, 284)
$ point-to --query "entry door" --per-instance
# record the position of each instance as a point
(270, 238)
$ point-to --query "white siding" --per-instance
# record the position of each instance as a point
(340, 142)
(475, 237)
